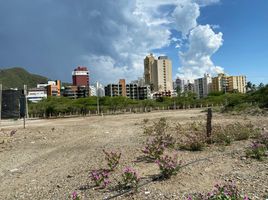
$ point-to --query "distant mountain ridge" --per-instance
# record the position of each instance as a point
(17, 77)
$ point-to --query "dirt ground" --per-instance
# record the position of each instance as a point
(52, 158)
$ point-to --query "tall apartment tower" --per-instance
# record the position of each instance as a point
(81, 76)
(149, 64)
(163, 80)
(158, 73)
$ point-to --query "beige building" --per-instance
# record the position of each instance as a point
(158, 73)
(229, 83)
(220, 83)
(149, 64)
(237, 83)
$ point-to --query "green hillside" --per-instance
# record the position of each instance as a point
(17, 77)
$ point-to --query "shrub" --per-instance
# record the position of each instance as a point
(221, 136)
(168, 166)
(112, 159)
(145, 121)
(156, 146)
(153, 148)
(100, 177)
(161, 126)
(193, 143)
(256, 150)
(130, 178)
(148, 130)
(226, 191)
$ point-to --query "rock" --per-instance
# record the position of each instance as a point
(147, 192)
(14, 170)
(243, 158)
(58, 186)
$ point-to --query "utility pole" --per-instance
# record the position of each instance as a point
(0, 102)
(26, 105)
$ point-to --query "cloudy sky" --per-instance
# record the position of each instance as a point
(112, 37)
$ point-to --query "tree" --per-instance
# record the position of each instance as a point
(249, 86)
(261, 85)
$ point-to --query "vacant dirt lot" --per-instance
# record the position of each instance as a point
(52, 158)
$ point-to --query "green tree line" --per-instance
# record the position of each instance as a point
(53, 106)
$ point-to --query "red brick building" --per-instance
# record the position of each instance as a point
(80, 76)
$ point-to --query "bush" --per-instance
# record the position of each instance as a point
(168, 166)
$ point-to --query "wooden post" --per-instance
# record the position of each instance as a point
(0, 102)
(209, 124)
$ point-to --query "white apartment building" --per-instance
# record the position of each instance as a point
(202, 86)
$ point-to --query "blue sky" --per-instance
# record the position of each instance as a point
(51, 37)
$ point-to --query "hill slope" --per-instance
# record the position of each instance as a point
(17, 77)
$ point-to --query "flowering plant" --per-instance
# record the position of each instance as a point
(130, 178)
(112, 159)
(100, 177)
(75, 196)
(168, 165)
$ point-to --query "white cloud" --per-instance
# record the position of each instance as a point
(185, 16)
(203, 43)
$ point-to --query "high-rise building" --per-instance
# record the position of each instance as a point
(237, 84)
(149, 65)
(224, 83)
(158, 73)
(220, 83)
(80, 76)
(202, 86)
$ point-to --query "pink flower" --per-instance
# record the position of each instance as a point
(74, 195)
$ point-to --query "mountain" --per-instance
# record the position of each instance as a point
(17, 77)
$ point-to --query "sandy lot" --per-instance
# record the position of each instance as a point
(52, 158)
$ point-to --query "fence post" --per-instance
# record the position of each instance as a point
(209, 124)
(0, 102)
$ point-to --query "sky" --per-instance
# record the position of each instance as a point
(112, 37)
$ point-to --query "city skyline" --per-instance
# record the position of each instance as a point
(51, 38)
